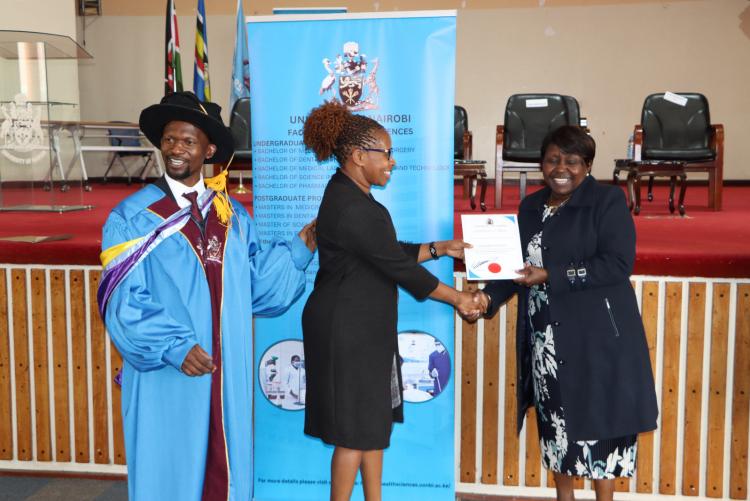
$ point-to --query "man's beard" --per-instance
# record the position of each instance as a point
(179, 176)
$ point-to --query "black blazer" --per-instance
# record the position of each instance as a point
(604, 369)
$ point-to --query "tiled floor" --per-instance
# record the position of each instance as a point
(23, 488)
(36, 488)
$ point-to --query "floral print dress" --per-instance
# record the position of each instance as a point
(594, 459)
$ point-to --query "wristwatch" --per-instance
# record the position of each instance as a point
(433, 250)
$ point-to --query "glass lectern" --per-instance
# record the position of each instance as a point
(38, 103)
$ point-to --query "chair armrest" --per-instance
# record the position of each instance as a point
(499, 133)
(637, 142)
(468, 141)
(638, 134)
(716, 142)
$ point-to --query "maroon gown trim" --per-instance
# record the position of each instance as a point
(209, 248)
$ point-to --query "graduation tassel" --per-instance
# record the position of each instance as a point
(218, 183)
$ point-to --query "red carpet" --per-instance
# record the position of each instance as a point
(703, 244)
(85, 226)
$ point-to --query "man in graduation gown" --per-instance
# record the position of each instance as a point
(182, 315)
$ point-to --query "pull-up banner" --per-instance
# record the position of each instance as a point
(397, 68)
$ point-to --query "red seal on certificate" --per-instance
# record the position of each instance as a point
(494, 267)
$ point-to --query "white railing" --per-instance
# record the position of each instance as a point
(734, 422)
(59, 409)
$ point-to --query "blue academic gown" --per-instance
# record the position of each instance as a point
(159, 312)
(441, 362)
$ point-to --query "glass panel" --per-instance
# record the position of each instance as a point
(38, 105)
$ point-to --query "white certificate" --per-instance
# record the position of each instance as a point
(496, 246)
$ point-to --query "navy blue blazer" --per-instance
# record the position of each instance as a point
(604, 369)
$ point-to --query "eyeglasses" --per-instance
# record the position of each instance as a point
(381, 150)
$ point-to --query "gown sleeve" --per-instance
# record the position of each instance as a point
(277, 272)
(143, 331)
(369, 234)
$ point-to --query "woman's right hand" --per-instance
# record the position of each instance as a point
(453, 248)
(471, 305)
(531, 275)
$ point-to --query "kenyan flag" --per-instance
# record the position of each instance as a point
(172, 65)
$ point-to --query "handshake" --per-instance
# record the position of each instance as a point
(471, 305)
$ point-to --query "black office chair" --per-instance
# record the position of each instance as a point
(239, 125)
(129, 138)
(471, 171)
(574, 111)
(682, 131)
(461, 134)
(518, 142)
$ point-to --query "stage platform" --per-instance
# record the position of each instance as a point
(692, 284)
(702, 244)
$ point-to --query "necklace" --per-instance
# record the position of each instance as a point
(548, 204)
(550, 210)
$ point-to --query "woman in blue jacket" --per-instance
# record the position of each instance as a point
(582, 357)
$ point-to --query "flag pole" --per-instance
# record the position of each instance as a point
(240, 189)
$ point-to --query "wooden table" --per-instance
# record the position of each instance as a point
(473, 171)
(636, 169)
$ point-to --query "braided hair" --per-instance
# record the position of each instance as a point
(332, 130)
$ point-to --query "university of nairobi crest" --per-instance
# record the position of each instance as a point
(21, 131)
(212, 251)
(357, 88)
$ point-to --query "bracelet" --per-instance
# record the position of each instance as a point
(433, 250)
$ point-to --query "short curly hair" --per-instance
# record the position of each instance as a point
(572, 140)
(332, 130)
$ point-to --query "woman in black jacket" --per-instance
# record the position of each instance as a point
(582, 357)
(354, 390)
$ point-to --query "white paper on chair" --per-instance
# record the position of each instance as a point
(496, 246)
(675, 98)
(537, 103)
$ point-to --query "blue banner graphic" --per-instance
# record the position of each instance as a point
(400, 71)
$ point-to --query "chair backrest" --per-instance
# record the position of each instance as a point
(528, 119)
(574, 111)
(239, 124)
(460, 125)
(676, 130)
(124, 137)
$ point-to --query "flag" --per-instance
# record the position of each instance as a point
(201, 84)
(172, 66)
(241, 66)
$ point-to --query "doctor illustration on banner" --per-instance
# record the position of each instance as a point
(268, 375)
(439, 366)
(295, 381)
